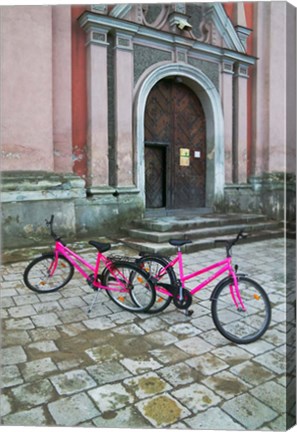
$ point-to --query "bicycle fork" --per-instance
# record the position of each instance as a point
(236, 297)
(52, 268)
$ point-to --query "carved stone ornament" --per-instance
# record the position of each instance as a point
(203, 22)
(167, 17)
(155, 15)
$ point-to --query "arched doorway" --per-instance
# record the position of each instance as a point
(175, 147)
(210, 99)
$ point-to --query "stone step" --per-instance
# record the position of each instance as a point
(199, 233)
(197, 244)
(169, 223)
(152, 234)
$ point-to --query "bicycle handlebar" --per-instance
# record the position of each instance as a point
(230, 243)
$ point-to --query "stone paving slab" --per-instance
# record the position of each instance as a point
(61, 367)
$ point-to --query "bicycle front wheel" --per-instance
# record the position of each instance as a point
(40, 277)
(129, 287)
(234, 323)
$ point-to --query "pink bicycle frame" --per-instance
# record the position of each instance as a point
(72, 257)
(225, 267)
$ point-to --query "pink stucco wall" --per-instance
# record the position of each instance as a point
(26, 88)
(277, 88)
(124, 103)
(274, 82)
(98, 115)
(62, 98)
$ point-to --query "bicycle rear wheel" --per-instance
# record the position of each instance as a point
(160, 278)
(38, 277)
(237, 325)
(129, 287)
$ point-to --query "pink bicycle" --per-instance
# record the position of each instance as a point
(125, 283)
(240, 307)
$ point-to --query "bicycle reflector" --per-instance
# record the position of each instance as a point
(257, 297)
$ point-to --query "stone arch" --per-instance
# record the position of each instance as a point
(211, 102)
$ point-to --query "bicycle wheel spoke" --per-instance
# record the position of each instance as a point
(40, 277)
(238, 325)
(155, 266)
(129, 287)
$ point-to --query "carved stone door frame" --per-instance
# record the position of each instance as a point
(211, 102)
(174, 125)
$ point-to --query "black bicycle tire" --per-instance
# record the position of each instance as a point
(171, 274)
(37, 260)
(216, 293)
(143, 274)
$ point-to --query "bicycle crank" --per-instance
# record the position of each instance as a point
(184, 302)
(91, 280)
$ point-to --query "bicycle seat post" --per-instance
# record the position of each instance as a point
(181, 271)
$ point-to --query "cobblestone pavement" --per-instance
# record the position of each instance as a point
(118, 369)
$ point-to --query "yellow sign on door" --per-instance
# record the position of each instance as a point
(184, 157)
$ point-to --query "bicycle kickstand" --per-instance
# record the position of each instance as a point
(188, 312)
(93, 302)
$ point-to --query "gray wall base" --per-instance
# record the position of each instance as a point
(271, 194)
(30, 198)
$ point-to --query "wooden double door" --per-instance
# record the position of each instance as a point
(175, 147)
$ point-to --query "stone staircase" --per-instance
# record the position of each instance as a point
(151, 234)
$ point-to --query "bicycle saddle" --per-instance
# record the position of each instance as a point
(179, 242)
(101, 247)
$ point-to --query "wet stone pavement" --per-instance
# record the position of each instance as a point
(119, 369)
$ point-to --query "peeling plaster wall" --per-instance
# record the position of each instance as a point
(26, 88)
(38, 100)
